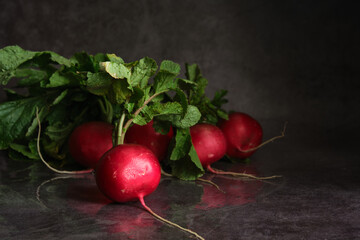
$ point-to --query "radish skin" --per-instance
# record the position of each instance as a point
(243, 134)
(129, 172)
(147, 136)
(89, 141)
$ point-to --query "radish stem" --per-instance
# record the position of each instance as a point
(141, 198)
(42, 158)
(120, 132)
(128, 123)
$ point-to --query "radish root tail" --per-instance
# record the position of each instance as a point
(210, 182)
(167, 221)
(217, 171)
(42, 158)
(266, 142)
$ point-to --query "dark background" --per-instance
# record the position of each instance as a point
(294, 61)
(286, 60)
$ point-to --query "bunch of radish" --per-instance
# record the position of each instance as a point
(108, 117)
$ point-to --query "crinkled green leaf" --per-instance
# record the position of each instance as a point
(184, 162)
(191, 117)
(115, 59)
(58, 58)
(219, 98)
(27, 151)
(12, 57)
(6, 76)
(162, 127)
(99, 83)
(83, 62)
(158, 108)
(170, 67)
(182, 99)
(140, 120)
(119, 91)
(182, 144)
(117, 70)
(165, 79)
(188, 167)
(59, 79)
(192, 72)
(142, 71)
(186, 85)
(16, 117)
(29, 76)
(197, 92)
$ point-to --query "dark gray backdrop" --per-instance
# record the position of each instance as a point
(293, 61)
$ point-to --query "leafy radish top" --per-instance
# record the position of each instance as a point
(101, 87)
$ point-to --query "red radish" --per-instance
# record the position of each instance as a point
(242, 133)
(89, 141)
(147, 136)
(209, 143)
(129, 172)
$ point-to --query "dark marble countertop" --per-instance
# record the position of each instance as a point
(317, 197)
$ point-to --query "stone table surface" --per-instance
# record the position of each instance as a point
(317, 197)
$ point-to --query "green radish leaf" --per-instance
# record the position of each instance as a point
(83, 62)
(119, 91)
(182, 99)
(184, 162)
(59, 79)
(29, 76)
(170, 67)
(12, 57)
(157, 109)
(167, 108)
(192, 116)
(192, 72)
(211, 110)
(117, 70)
(56, 58)
(165, 79)
(98, 83)
(188, 168)
(182, 144)
(97, 59)
(27, 151)
(139, 120)
(219, 98)
(142, 71)
(16, 117)
(162, 127)
(186, 85)
(115, 59)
